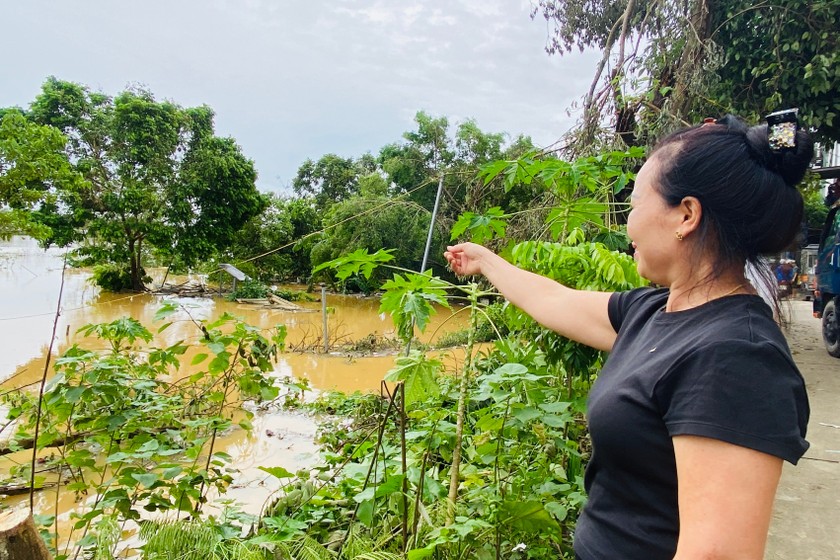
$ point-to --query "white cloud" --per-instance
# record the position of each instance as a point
(297, 79)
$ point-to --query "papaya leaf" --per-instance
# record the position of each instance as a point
(409, 300)
(482, 227)
(357, 262)
(418, 373)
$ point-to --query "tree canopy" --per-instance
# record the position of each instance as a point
(157, 176)
(667, 63)
(33, 168)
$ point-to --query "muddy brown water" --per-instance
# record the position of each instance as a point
(30, 280)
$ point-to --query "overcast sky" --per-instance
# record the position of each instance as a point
(297, 79)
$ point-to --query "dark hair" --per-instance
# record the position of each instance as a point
(751, 206)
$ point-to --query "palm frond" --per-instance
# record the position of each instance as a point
(356, 543)
(181, 540)
(310, 549)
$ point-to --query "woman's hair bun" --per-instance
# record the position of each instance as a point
(790, 163)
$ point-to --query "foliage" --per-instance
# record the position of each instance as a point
(505, 433)
(115, 277)
(33, 170)
(195, 540)
(520, 481)
(783, 54)
(157, 177)
(128, 435)
(409, 298)
(249, 289)
(674, 63)
(329, 180)
(584, 195)
(815, 209)
(490, 326)
(384, 201)
(372, 224)
(282, 237)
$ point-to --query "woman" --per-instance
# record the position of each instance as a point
(699, 402)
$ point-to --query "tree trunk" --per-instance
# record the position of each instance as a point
(694, 56)
(135, 248)
(132, 263)
(19, 539)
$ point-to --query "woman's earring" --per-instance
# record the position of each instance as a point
(680, 236)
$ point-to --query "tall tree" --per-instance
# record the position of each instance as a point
(282, 235)
(425, 153)
(329, 180)
(374, 223)
(158, 175)
(676, 62)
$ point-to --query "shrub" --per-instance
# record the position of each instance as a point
(250, 289)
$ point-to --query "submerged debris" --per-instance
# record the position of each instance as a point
(273, 302)
(190, 288)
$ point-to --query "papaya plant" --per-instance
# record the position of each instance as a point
(128, 436)
(486, 461)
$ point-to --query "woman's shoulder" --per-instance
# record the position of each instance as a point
(639, 300)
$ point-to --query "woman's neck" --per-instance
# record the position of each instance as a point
(695, 291)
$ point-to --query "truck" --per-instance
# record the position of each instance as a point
(826, 277)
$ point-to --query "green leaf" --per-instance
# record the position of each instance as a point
(365, 495)
(489, 423)
(198, 358)
(409, 300)
(357, 262)
(391, 486)
(118, 457)
(482, 227)
(420, 553)
(419, 374)
(529, 516)
(525, 414)
(73, 394)
(166, 310)
(558, 510)
(277, 472)
(171, 472)
(147, 480)
(492, 170)
(377, 556)
(365, 513)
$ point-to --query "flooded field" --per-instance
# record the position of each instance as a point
(30, 282)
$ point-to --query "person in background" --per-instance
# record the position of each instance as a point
(833, 193)
(699, 402)
(785, 276)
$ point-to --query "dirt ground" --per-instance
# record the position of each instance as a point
(806, 521)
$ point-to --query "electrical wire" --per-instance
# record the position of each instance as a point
(391, 201)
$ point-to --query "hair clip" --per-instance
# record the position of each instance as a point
(781, 129)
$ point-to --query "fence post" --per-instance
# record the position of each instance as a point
(324, 313)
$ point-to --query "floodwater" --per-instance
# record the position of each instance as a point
(30, 282)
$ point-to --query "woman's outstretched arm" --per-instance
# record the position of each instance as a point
(576, 314)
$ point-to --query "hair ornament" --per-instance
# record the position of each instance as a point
(781, 129)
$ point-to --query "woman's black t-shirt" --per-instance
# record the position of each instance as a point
(721, 370)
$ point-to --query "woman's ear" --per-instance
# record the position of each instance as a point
(692, 212)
